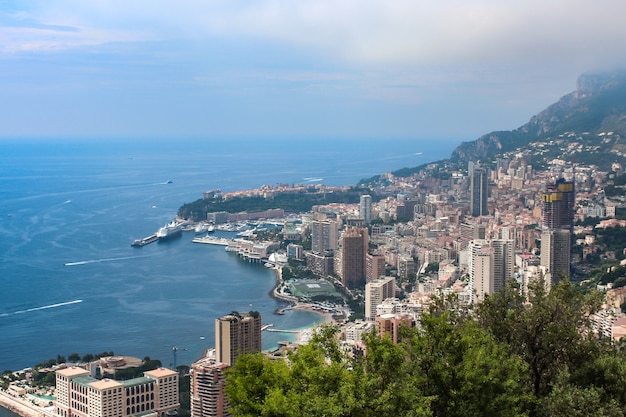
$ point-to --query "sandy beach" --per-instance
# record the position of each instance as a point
(303, 336)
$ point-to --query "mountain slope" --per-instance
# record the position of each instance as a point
(598, 105)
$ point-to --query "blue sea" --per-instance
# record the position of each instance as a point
(69, 209)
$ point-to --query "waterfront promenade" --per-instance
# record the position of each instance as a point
(23, 406)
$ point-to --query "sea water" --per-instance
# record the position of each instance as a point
(7, 413)
(71, 282)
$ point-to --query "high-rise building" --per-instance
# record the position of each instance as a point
(491, 265)
(237, 334)
(324, 235)
(354, 243)
(375, 292)
(479, 180)
(405, 210)
(320, 263)
(481, 269)
(207, 388)
(374, 267)
(556, 254)
(365, 208)
(557, 215)
(503, 262)
(559, 201)
(80, 395)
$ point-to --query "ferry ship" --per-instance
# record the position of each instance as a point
(169, 231)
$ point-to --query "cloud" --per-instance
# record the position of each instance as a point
(405, 63)
(372, 32)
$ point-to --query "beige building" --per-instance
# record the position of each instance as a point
(374, 267)
(481, 269)
(376, 292)
(236, 334)
(80, 395)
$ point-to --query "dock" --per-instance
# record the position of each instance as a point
(283, 331)
(210, 240)
(145, 241)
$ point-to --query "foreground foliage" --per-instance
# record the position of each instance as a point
(511, 357)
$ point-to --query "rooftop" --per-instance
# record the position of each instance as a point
(72, 371)
(160, 372)
(106, 384)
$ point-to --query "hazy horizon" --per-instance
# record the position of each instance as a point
(340, 69)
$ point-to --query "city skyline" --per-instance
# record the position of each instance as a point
(337, 70)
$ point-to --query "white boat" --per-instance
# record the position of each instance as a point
(169, 231)
(210, 228)
(201, 228)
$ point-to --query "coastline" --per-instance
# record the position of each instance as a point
(302, 335)
(20, 406)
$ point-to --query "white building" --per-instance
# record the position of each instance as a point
(365, 208)
(376, 292)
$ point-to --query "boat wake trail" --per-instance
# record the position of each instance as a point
(41, 308)
(95, 261)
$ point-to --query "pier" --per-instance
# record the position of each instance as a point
(145, 241)
(210, 240)
(283, 331)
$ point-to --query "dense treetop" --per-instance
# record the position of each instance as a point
(299, 202)
(509, 357)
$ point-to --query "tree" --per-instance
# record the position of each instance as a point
(551, 331)
(571, 400)
(87, 358)
(432, 267)
(73, 357)
(184, 395)
(465, 370)
(449, 368)
(322, 380)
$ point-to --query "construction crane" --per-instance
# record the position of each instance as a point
(175, 350)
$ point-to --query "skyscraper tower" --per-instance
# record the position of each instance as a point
(559, 201)
(237, 334)
(557, 216)
(478, 191)
(365, 208)
(354, 243)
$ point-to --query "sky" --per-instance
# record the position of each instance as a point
(423, 69)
